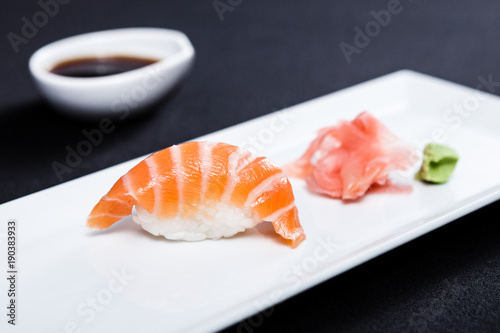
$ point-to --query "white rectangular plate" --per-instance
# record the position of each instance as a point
(124, 280)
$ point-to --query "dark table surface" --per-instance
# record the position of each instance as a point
(264, 56)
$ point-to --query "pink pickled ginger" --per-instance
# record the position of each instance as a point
(344, 161)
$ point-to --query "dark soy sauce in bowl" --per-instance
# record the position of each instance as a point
(86, 67)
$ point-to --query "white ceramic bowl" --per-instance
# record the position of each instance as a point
(118, 94)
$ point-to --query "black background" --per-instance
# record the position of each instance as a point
(265, 56)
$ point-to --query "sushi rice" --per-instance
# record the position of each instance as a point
(210, 222)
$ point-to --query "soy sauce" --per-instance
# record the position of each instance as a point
(100, 66)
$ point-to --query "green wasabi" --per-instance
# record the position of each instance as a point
(438, 163)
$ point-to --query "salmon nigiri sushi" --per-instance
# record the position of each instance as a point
(200, 190)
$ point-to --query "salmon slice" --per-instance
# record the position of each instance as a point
(114, 206)
(175, 183)
(344, 161)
